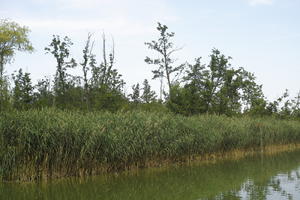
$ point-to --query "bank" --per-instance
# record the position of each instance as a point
(44, 144)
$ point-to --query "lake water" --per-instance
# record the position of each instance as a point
(253, 178)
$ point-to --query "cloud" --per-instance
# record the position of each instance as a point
(73, 3)
(3, 12)
(83, 4)
(260, 2)
(117, 26)
(118, 17)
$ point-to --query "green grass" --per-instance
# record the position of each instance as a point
(49, 143)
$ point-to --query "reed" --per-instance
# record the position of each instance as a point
(42, 144)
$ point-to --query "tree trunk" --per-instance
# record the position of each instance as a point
(1, 66)
(167, 68)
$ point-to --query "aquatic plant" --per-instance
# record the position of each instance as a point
(47, 143)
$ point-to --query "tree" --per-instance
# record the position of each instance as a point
(135, 96)
(283, 106)
(87, 58)
(216, 88)
(165, 48)
(23, 90)
(252, 95)
(5, 97)
(211, 84)
(106, 83)
(195, 88)
(60, 50)
(218, 67)
(105, 75)
(183, 101)
(13, 37)
(148, 95)
(296, 106)
(43, 96)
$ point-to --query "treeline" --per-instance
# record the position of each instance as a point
(193, 88)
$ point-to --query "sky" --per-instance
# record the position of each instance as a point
(263, 36)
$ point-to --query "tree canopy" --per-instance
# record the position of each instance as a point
(13, 37)
(196, 88)
(165, 48)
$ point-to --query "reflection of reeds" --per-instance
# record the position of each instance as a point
(53, 143)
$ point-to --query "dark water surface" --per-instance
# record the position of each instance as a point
(253, 178)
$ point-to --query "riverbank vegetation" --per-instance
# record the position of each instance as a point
(49, 143)
(81, 124)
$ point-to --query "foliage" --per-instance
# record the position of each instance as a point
(52, 142)
(60, 50)
(23, 90)
(105, 75)
(165, 48)
(135, 96)
(216, 88)
(5, 97)
(102, 84)
(43, 97)
(13, 37)
(148, 95)
(65, 140)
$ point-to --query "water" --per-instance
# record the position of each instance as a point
(253, 178)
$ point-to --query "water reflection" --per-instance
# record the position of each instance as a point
(282, 186)
(253, 178)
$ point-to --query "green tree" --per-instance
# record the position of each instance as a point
(215, 88)
(227, 89)
(106, 83)
(296, 106)
(183, 101)
(165, 48)
(87, 58)
(105, 75)
(210, 84)
(43, 97)
(254, 100)
(195, 88)
(60, 50)
(23, 90)
(281, 107)
(135, 96)
(5, 97)
(13, 37)
(215, 79)
(148, 95)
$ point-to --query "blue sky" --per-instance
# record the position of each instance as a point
(263, 36)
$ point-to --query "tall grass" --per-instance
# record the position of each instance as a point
(49, 143)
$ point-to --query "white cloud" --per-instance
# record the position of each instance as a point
(119, 17)
(73, 3)
(83, 4)
(3, 12)
(260, 2)
(115, 26)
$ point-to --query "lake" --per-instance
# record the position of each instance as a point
(258, 177)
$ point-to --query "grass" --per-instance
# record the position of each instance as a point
(52, 143)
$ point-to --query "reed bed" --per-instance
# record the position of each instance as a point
(42, 144)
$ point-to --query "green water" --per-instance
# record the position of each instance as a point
(253, 178)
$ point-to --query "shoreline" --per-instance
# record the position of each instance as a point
(211, 158)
